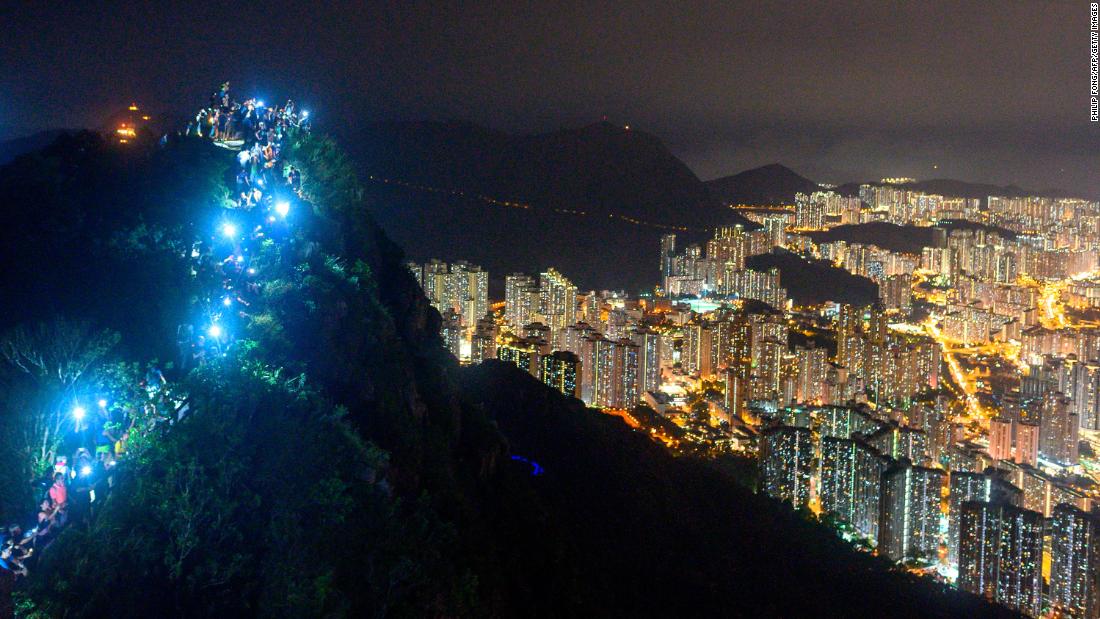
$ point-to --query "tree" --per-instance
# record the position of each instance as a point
(49, 367)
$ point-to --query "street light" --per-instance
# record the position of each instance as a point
(229, 230)
(282, 208)
(78, 412)
(227, 301)
(215, 331)
(102, 403)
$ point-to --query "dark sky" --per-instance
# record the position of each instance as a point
(986, 91)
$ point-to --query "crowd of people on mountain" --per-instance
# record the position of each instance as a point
(258, 131)
(266, 191)
(70, 491)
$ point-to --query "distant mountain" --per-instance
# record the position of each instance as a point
(10, 149)
(591, 201)
(961, 189)
(905, 239)
(770, 184)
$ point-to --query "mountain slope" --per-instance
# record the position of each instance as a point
(770, 184)
(339, 463)
(605, 487)
(10, 149)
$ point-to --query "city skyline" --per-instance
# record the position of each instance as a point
(743, 308)
(947, 423)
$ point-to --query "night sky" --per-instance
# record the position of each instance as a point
(987, 91)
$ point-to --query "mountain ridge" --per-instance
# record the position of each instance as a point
(769, 184)
(593, 195)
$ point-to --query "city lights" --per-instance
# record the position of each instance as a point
(834, 390)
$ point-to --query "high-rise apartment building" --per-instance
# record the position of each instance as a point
(786, 464)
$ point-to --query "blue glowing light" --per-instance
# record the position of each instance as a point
(536, 468)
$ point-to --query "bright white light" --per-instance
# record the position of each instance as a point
(85, 470)
(271, 219)
(102, 403)
(227, 301)
(305, 113)
(79, 412)
(259, 104)
(240, 258)
(282, 208)
(215, 331)
(251, 271)
(229, 230)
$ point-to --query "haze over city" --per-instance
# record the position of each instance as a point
(840, 91)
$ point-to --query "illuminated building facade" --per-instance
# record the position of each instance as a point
(1058, 430)
(649, 358)
(561, 370)
(969, 486)
(900, 442)
(609, 372)
(523, 352)
(786, 464)
(1075, 562)
(1001, 555)
(851, 483)
(910, 512)
(483, 344)
(521, 299)
(557, 303)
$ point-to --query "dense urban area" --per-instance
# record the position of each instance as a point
(951, 425)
